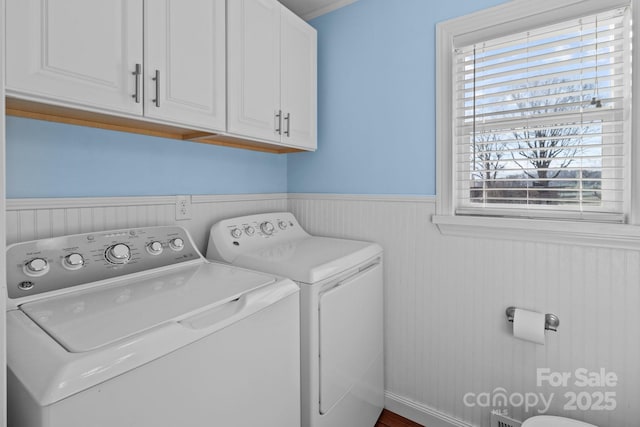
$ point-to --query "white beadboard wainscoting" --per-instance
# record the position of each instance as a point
(29, 219)
(446, 332)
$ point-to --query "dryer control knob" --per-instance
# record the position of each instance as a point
(36, 267)
(267, 228)
(236, 233)
(73, 261)
(177, 244)
(154, 248)
(249, 230)
(282, 224)
(118, 254)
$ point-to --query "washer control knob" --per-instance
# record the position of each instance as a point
(118, 254)
(249, 230)
(267, 228)
(73, 261)
(236, 233)
(36, 267)
(154, 248)
(27, 285)
(282, 225)
(176, 244)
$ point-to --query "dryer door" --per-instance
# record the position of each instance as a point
(351, 333)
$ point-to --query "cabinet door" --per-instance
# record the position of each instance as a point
(185, 48)
(76, 52)
(253, 68)
(299, 81)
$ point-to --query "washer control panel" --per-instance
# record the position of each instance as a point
(62, 262)
(232, 237)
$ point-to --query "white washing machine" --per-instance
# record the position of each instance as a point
(341, 310)
(135, 328)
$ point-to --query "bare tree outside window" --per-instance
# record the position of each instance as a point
(533, 163)
(488, 163)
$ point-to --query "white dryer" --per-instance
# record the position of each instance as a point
(341, 307)
(135, 328)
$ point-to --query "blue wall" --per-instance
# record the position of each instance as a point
(376, 90)
(54, 160)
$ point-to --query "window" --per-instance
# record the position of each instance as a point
(540, 119)
(535, 112)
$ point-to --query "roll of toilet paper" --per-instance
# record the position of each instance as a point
(529, 326)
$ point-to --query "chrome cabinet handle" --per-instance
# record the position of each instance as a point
(287, 119)
(157, 80)
(279, 122)
(137, 73)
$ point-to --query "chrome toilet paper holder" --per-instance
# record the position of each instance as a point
(551, 321)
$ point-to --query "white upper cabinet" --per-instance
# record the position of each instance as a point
(90, 53)
(78, 52)
(184, 62)
(234, 72)
(298, 84)
(271, 74)
(253, 68)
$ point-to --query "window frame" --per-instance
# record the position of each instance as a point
(510, 18)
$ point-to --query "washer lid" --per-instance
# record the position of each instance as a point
(86, 320)
(310, 259)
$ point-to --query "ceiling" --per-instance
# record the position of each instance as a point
(309, 9)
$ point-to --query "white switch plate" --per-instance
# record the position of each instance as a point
(183, 208)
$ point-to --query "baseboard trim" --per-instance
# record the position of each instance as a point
(420, 413)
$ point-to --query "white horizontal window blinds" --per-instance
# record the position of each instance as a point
(540, 121)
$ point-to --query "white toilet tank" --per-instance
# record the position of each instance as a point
(551, 421)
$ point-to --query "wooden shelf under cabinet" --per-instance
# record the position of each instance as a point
(53, 113)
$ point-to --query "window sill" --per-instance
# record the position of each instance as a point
(618, 236)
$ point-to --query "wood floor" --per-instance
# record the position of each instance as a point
(389, 419)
